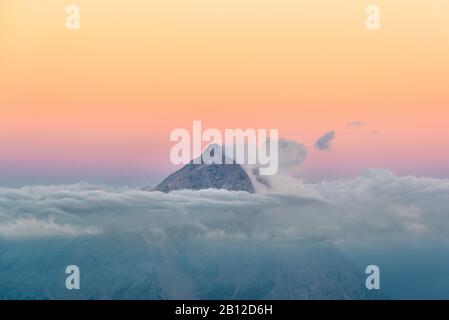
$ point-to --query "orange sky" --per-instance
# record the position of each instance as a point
(102, 100)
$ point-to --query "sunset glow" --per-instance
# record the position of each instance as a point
(101, 101)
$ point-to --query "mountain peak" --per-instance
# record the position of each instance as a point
(198, 175)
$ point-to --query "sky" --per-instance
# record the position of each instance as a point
(99, 103)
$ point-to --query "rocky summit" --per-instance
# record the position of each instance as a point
(208, 176)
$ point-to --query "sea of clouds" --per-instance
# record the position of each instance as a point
(375, 207)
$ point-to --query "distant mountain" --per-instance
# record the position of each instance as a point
(129, 266)
(207, 176)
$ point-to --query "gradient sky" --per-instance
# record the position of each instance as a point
(99, 103)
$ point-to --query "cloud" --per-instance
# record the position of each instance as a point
(376, 207)
(32, 228)
(410, 216)
(355, 124)
(324, 142)
(291, 154)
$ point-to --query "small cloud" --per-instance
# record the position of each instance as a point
(374, 132)
(324, 142)
(355, 124)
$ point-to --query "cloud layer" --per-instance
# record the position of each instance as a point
(373, 207)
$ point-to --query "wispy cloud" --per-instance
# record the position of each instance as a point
(32, 228)
(355, 124)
